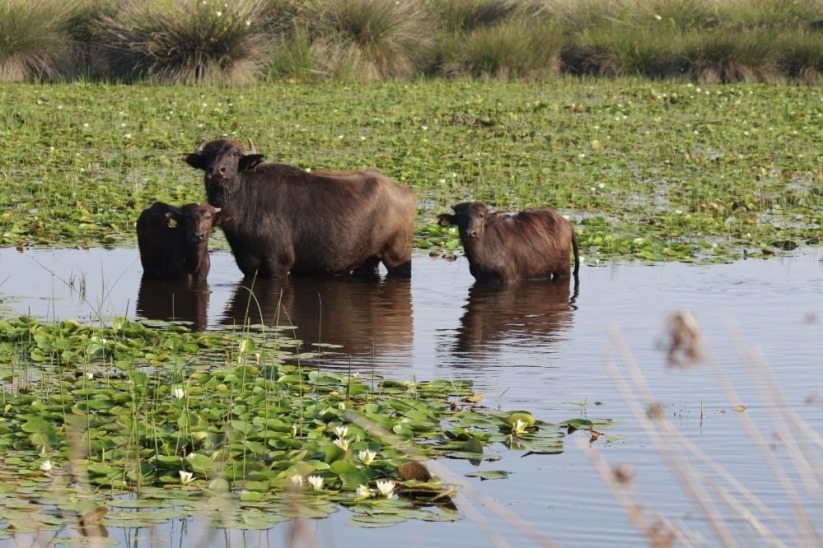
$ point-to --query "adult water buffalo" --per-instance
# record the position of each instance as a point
(280, 219)
(532, 244)
(174, 242)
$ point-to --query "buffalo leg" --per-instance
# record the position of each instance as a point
(369, 269)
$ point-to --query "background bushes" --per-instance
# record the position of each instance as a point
(239, 42)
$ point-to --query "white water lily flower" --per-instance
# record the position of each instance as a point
(363, 492)
(178, 393)
(186, 477)
(366, 456)
(519, 426)
(342, 443)
(46, 466)
(385, 487)
(316, 483)
(296, 480)
(341, 431)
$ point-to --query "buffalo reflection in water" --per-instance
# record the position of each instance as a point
(359, 315)
(174, 300)
(535, 312)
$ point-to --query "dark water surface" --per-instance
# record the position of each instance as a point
(526, 347)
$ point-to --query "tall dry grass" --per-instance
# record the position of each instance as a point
(34, 39)
(367, 40)
(188, 41)
(734, 515)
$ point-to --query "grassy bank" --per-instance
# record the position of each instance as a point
(647, 170)
(242, 41)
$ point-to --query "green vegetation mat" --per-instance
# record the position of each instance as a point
(651, 171)
(104, 421)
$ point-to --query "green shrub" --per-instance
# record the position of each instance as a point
(769, 14)
(512, 49)
(188, 41)
(629, 50)
(293, 56)
(88, 55)
(368, 39)
(732, 56)
(34, 41)
(461, 16)
(799, 54)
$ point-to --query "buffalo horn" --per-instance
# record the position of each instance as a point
(252, 149)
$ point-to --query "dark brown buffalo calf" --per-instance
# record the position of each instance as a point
(282, 220)
(174, 241)
(532, 244)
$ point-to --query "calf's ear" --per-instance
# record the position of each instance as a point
(174, 218)
(446, 219)
(216, 216)
(195, 160)
(250, 161)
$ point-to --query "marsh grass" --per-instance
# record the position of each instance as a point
(34, 39)
(366, 40)
(188, 42)
(243, 41)
(513, 49)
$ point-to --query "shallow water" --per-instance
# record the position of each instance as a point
(533, 346)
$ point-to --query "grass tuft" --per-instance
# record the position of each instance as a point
(33, 39)
(365, 40)
(188, 42)
(512, 49)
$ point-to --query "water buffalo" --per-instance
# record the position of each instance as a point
(173, 242)
(281, 220)
(532, 244)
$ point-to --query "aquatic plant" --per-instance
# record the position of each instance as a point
(120, 417)
(649, 171)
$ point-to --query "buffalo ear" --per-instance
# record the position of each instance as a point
(195, 160)
(446, 219)
(249, 162)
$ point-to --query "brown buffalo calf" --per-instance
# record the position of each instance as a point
(532, 244)
(174, 242)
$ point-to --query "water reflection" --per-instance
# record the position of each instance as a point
(360, 316)
(174, 300)
(535, 312)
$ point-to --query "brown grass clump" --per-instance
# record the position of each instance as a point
(34, 39)
(188, 41)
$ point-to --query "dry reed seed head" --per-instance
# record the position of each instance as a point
(684, 346)
(655, 411)
(660, 535)
(623, 474)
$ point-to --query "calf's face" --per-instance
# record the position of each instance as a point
(470, 218)
(198, 220)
